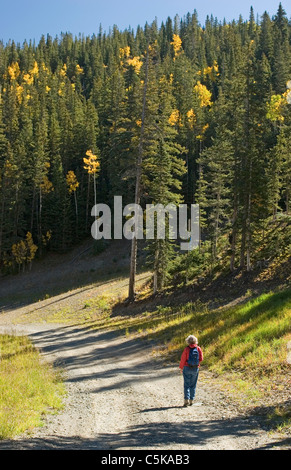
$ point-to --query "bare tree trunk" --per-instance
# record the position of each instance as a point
(76, 209)
(40, 222)
(248, 237)
(32, 209)
(156, 273)
(233, 237)
(2, 221)
(287, 198)
(133, 255)
(87, 202)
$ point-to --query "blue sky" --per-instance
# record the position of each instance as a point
(20, 20)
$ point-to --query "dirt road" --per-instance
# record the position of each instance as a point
(120, 398)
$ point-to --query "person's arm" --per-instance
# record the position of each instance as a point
(183, 359)
(200, 354)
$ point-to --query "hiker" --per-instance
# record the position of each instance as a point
(189, 366)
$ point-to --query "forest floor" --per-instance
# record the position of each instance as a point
(119, 396)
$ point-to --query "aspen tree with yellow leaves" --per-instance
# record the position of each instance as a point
(204, 95)
(19, 253)
(177, 44)
(73, 184)
(275, 108)
(24, 251)
(92, 165)
(31, 249)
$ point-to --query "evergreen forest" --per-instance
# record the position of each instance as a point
(176, 113)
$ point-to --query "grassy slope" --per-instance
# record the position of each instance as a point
(244, 346)
(28, 387)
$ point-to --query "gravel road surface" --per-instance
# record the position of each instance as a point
(119, 397)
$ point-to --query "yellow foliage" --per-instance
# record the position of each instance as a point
(24, 250)
(191, 116)
(27, 79)
(46, 238)
(175, 117)
(35, 69)
(19, 251)
(275, 107)
(79, 70)
(124, 52)
(14, 70)
(212, 72)
(63, 71)
(177, 44)
(204, 129)
(19, 91)
(44, 67)
(31, 247)
(203, 94)
(72, 181)
(91, 164)
(46, 185)
(61, 89)
(163, 80)
(136, 63)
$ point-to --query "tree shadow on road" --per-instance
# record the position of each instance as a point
(204, 435)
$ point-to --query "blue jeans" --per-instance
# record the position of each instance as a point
(190, 381)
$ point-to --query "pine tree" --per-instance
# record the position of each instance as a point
(138, 170)
(282, 67)
(3, 153)
(218, 168)
(163, 169)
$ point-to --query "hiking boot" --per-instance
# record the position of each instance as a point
(186, 402)
(191, 402)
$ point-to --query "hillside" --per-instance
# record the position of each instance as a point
(77, 272)
(60, 273)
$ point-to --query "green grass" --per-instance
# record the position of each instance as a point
(252, 335)
(28, 386)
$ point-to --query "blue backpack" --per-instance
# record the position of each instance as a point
(193, 360)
